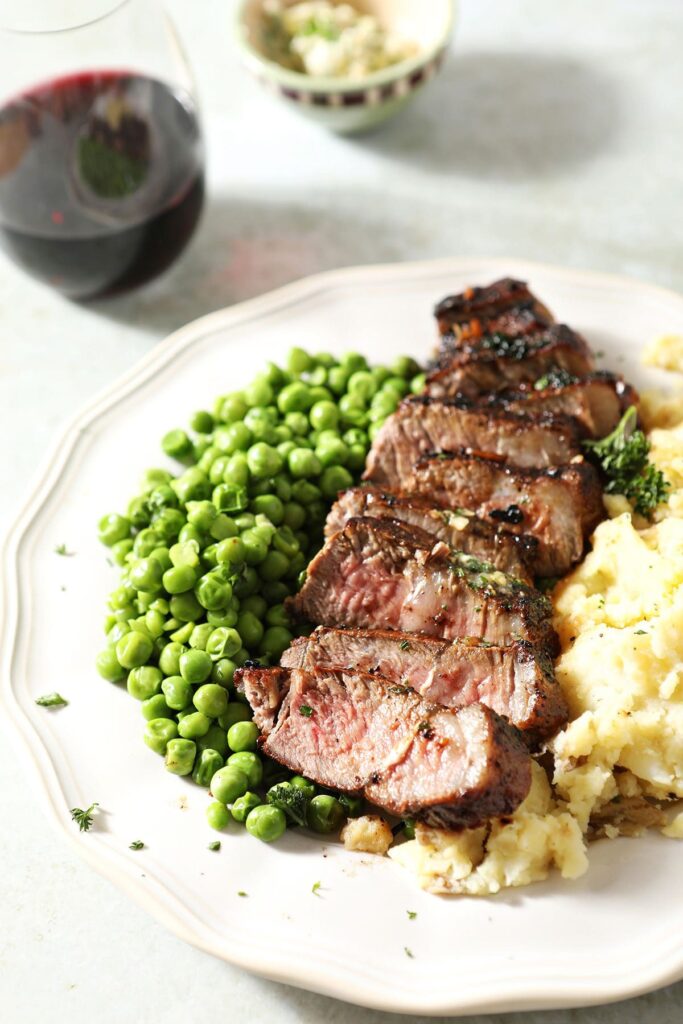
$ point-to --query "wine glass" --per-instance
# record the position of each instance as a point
(101, 157)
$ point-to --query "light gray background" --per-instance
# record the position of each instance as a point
(554, 132)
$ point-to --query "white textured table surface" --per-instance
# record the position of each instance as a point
(554, 133)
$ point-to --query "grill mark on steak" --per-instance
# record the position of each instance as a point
(423, 424)
(496, 361)
(597, 402)
(448, 768)
(516, 681)
(379, 574)
(560, 507)
(459, 528)
(471, 310)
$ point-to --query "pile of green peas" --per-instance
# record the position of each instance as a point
(209, 553)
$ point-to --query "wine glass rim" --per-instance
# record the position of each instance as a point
(116, 5)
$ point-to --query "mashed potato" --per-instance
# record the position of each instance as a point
(619, 761)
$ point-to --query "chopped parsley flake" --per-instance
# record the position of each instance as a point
(83, 818)
(409, 952)
(404, 645)
(215, 845)
(315, 887)
(412, 914)
(241, 892)
(137, 844)
(51, 700)
(306, 710)
(61, 550)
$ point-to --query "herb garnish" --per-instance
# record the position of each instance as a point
(137, 844)
(83, 818)
(404, 645)
(306, 710)
(412, 914)
(51, 700)
(241, 892)
(61, 550)
(409, 952)
(215, 845)
(555, 378)
(290, 799)
(623, 458)
(315, 887)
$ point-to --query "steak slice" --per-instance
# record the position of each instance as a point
(379, 574)
(357, 732)
(509, 552)
(597, 402)
(517, 681)
(478, 306)
(560, 507)
(498, 361)
(422, 424)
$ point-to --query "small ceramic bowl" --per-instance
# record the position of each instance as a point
(350, 105)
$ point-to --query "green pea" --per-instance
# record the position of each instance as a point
(255, 604)
(249, 763)
(418, 383)
(357, 456)
(145, 542)
(258, 393)
(186, 607)
(154, 478)
(159, 732)
(182, 634)
(274, 566)
(324, 415)
(396, 385)
(212, 592)
(308, 787)
(168, 523)
(254, 546)
(230, 551)
(337, 379)
(294, 515)
(248, 583)
(230, 497)
(266, 823)
(223, 643)
(222, 528)
(236, 437)
(263, 460)
(295, 397)
(383, 406)
(138, 513)
(176, 443)
(250, 629)
(113, 528)
(193, 485)
(333, 480)
(242, 736)
(214, 739)
(231, 407)
(276, 639)
(305, 492)
(297, 423)
(156, 707)
(208, 762)
(177, 692)
(217, 816)
(303, 462)
(299, 361)
(180, 755)
(353, 361)
(108, 666)
(202, 422)
(133, 649)
(211, 699)
(353, 411)
(120, 551)
(237, 471)
(169, 659)
(194, 725)
(244, 804)
(269, 505)
(228, 784)
(225, 617)
(325, 814)
(223, 672)
(201, 514)
(162, 497)
(190, 533)
(146, 575)
(236, 712)
(362, 384)
(195, 666)
(144, 682)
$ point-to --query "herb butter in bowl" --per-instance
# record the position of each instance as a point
(348, 66)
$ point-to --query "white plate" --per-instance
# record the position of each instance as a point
(614, 933)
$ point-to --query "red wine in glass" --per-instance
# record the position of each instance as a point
(101, 180)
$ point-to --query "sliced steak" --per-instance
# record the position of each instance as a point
(422, 424)
(379, 574)
(357, 732)
(498, 361)
(479, 306)
(509, 552)
(560, 507)
(597, 402)
(517, 681)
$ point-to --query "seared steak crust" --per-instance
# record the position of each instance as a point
(597, 402)
(379, 574)
(357, 732)
(490, 302)
(422, 424)
(509, 552)
(496, 361)
(560, 507)
(517, 681)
